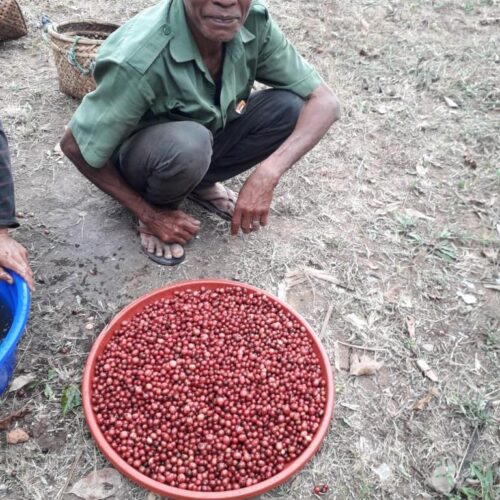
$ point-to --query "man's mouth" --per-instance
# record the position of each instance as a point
(222, 20)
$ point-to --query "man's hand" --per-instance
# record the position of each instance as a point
(170, 226)
(254, 201)
(14, 256)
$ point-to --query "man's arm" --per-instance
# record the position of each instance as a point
(320, 111)
(13, 255)
(171, 226)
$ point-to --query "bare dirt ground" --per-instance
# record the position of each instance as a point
(399, 206)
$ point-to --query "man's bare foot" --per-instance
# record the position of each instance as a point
(216, 198)
(153, 246)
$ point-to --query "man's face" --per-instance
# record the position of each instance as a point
(217, 20)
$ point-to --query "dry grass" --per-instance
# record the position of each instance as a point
(388, 206)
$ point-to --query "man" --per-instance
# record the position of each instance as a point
(173, 115)
(13, 256)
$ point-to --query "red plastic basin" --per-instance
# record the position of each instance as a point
(177, 493)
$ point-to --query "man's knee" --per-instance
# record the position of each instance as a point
(289, 104)
(279, 108)
(187, 151)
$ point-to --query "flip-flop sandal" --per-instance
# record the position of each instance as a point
(164, 261)
(209, 205)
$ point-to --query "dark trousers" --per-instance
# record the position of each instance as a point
(165, 162)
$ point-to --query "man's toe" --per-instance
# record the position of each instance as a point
(150, 245)
(177, 250)
(164, 250)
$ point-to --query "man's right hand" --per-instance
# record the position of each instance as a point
(14, 256)
(170, 226)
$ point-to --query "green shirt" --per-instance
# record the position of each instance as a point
(150, 71)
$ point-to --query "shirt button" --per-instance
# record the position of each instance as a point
(166, 30)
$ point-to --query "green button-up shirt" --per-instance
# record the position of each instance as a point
(150, 71)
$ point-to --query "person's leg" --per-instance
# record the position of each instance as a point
(164, 163)
(269, 119)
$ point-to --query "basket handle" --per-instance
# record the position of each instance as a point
(73, 60)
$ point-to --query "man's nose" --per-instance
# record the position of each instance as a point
(225, 3)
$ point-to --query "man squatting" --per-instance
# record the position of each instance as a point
(174, 115)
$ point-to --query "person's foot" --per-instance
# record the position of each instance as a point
(216, 198)
(168, 254)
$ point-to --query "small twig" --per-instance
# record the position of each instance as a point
(70, 475)
(324, 328)
(469, 452)
(363, 348)
(471, 449)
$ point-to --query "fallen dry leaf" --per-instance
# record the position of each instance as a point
(384, 472)
(442, 479)
(450, 102)
(491, 254)
(410, 326)
(21, 381)
(6, 421)
(421, 170)
(364, 366)
(98, 484)
(468, 298)
(282, 291)
(16, 436)
(422, 403)
(304, 274)
(364, 26)
(381, 109)
(411, 212)
(469, 160)
(356, 321)
(427, 370)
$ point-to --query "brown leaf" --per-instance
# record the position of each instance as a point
(427, 370)
(21, 381)
(422, 403)
(17, 436)
(469, 160)
(364, 366)
(410, 326)
(98, 484)
(6, 421)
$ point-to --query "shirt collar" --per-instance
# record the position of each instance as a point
(183, 47)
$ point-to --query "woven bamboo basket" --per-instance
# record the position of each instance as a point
(75, 45)
(12, 23)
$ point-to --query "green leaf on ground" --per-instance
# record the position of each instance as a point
(70, 399)
(48, 392)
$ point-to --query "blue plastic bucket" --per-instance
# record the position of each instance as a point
(16, 298)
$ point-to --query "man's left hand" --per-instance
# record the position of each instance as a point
(254, 201)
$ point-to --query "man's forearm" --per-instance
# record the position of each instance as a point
(106, 178)
(320, 111)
